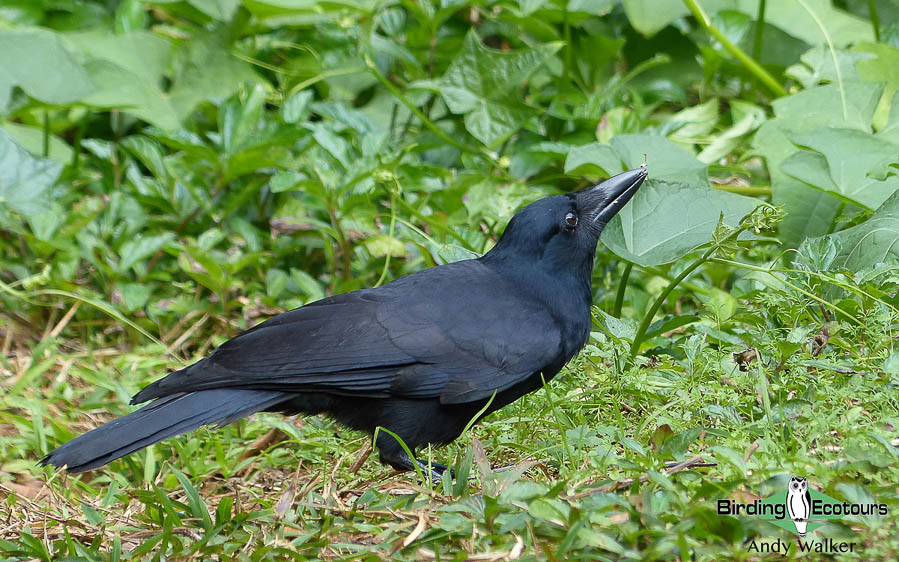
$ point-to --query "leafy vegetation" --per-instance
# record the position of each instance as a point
(174, 171)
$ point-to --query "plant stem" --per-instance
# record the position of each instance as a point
(686, 284)
(424, 119)
(342, 241)
(759, 31)
(747, 61)
(875, 19)
(372, 67)
(750, 190)
(833, 56)
(566, 68)
(799, 290)
(622, 285)
(324, 76)
(660, 300)
(46, 147)
(390, 232)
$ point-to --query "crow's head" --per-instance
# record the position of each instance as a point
(562, 230)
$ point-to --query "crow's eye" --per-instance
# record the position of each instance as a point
(571, 219)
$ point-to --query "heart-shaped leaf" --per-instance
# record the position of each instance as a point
(665, 221)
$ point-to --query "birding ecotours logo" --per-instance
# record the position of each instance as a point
(800, 509)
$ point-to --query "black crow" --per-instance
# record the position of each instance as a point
(420, 356)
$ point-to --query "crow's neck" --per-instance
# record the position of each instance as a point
(561, 282)
(564, 289)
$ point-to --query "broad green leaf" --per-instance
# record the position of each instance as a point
(307, 285)
(881, 66)
(622, 329)
(659, 436)
(666, 160)
(45, 222)
(480, 83)
(719, 305)
(32, 139)
(221, 10)
(650, 16)
(593, 7)
(119, 88)
(36, 61)
(725, 453)
(890, 130)
(130, 15)
(812, 169)
(593, 160)
(498, 201)
(24, 179)
(810, 212)
(208, 70)
(779, 49)
(665, 221)
(493, 121)
(128, 70)
(550, 509)
(92, 515)
(327, 137)
(817, 66)
(792, 17)
(488, 73)
(852, 154)
(144, 54)
(874, 241)
(851, 106)
(528, 7)
(340, 112)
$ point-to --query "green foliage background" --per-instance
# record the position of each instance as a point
(172, 172)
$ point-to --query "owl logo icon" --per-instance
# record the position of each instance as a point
(799, 503)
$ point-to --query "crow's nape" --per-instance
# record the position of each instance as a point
(160, 420)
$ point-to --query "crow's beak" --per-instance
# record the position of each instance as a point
(605, 200)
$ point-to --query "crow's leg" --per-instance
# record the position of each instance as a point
(391, 453)
(435, 468)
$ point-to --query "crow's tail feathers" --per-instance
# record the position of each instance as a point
(160, 420)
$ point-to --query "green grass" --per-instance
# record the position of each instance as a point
(589, 462)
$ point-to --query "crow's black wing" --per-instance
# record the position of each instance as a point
(335, 344)
(470, 339)
(458, 332)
